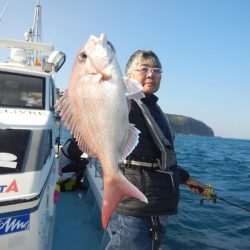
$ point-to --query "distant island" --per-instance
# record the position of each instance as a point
(189, 126)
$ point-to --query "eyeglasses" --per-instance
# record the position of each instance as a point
(146, 70)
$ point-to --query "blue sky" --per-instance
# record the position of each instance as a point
(204, 47)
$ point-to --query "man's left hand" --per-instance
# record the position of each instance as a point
(195, 186)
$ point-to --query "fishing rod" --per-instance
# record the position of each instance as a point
(208, 193)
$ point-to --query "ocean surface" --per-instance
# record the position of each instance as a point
(225, 164)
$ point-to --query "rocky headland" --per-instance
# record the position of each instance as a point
(189, 126)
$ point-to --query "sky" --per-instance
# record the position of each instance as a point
(203, 45)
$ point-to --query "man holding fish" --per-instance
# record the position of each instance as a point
(118, 121)
(151, 167)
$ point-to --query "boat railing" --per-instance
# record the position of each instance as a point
(94, 175)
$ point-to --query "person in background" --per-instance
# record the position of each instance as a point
(72, 162)
(152, 166)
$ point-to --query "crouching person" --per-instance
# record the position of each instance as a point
(73, 166)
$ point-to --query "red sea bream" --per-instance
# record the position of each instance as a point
(95, 109)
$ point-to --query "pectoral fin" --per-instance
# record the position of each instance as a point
(130, 142)
(134, 88)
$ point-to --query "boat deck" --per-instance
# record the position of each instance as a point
(78, 219)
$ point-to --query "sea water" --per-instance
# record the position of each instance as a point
(225, 164)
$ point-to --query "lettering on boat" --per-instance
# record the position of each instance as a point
(12, 187)
(22, 112)
(14, 224)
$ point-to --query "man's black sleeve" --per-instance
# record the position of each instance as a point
(184, 175)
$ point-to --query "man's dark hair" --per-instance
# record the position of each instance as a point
(142, 56)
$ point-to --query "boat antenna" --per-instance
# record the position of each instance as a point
(4, 8)
(37, 30)
(34, 34)
(37, 24)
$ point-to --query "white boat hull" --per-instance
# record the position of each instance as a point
(28, 222)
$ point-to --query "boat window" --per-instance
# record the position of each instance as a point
(13, 149)
(47, 144)
(22, 91)
(24, 150)
(39, 151)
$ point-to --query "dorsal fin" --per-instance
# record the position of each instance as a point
(63, 107)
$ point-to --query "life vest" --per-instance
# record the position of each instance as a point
(160, 184)
(168, 157)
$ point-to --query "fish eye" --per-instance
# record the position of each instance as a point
(82, 56)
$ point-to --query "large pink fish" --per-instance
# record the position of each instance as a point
(95, 109)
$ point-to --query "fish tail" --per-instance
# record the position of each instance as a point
(114, 190)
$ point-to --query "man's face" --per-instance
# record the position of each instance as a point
(149, 76)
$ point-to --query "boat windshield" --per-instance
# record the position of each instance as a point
(23, 150)
(22, 91)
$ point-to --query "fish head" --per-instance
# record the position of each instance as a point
(95, 62)
(96, 57)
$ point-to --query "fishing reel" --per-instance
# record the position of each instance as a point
(208, 193)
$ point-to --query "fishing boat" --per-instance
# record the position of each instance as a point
(29, 156)
(28, 163)
(28, 134)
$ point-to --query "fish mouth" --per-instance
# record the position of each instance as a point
(101, 60)
(98, 69)
(105, 76)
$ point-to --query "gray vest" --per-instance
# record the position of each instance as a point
(168, 158)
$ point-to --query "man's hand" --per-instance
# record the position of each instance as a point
(196, 186)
